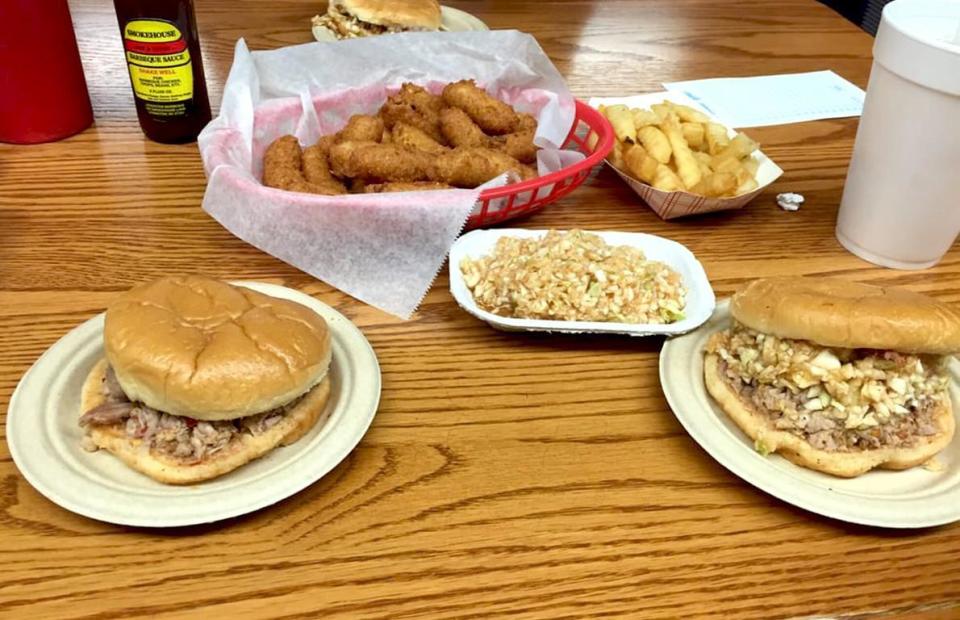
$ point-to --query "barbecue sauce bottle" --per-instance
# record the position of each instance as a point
(166, 71)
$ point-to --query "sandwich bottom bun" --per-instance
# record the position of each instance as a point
(843, 464)
(294, 425)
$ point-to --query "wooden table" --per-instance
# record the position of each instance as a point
(525, 476)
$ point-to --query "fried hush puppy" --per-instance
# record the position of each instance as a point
(282, 163)
(414, 106)
(492, 115)
(527, 123)
(393, 113)
(339, 158)
(361, 128)
(323, 189)
(370, 160)
(473, 166)
(411, 137)
(380, 188)
(460, 130)
(324, 144)
(417, 141)
(281, 160)
(518, 145)
(316, 168)
(420, 98)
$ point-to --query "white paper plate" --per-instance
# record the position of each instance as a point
(700, 298)
(451, 20)
(44, 437)
(912, 498)
(670, 205)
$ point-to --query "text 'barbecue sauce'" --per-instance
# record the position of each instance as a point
(166, 71)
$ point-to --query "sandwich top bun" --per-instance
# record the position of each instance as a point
(838, 313)
(196, 347)
(403, 13)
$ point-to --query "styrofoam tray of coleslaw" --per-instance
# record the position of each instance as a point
(700, 300)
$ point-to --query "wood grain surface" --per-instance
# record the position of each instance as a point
(506, 475)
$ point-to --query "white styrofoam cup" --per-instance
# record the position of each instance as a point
(901, 202)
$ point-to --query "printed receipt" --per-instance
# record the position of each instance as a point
(775, 99)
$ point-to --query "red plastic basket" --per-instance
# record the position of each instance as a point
(591, 134)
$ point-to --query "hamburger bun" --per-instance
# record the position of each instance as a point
(756, 425)
(294, 425)
(201, 348)
(838, 313)
(423, 14)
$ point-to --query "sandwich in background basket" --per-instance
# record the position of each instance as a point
(350, 19)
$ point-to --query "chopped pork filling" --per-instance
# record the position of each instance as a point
(839, 400)
(346, 26)
(185, 439)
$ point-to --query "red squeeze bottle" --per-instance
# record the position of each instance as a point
(166, 71)
(43, 95)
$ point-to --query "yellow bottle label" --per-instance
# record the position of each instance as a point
(160, 68)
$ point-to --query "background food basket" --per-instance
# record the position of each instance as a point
(519, 199)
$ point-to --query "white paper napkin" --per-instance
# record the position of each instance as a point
(775, 99)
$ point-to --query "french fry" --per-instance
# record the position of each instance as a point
(687, 167)
(693, 134)
(703, 158)
(746, 187)
(621, 118)
(741, 146)
(640, 163)
(743, 175)
(729, 158)
(688, 114)
(717, 138)
(655, 142)
(667, 180)
(662, 110)
(716, 184)
(642, 118)
(725, 163)
(616, 156)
